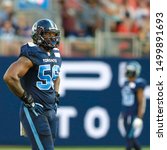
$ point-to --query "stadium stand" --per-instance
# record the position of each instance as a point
(117, 28)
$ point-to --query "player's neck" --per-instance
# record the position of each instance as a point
(132, 79)
(45, 50)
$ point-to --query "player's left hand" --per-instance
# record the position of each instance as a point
(57, 99)
(137, 123)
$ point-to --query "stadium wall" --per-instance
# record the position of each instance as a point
(90, 103)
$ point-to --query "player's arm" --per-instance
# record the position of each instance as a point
(138, 121)
(141, 102)
(16, 71)
(57, 85)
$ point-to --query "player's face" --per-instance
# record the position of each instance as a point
(51, 38)
(50, 35)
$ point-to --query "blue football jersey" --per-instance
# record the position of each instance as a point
(129, 97)
(39, 80)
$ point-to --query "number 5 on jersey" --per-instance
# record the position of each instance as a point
(46, 77)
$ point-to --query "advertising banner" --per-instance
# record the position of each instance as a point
(90, 103)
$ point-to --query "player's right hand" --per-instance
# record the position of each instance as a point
(28, 100)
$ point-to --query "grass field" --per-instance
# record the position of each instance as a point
(68, 148)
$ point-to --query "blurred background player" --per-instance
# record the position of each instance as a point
(34, 78)
(133, 106)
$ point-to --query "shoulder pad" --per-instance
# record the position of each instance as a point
(140, 82)
(31, 44)
(29, 50)
(56, 52)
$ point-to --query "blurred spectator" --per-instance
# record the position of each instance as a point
(9, 46)
(142, 11)
(7, 32)
(69, 12)
(127, 25)
(127, 9)
(81, 19)
(144, 30)
(110, 14)
(111, 8)
(7, 12)
(23, 29)
(90, 19)
(144, 37)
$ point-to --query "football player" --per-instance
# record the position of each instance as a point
(133, 106)
(34, 78)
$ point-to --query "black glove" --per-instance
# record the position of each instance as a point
(57, 99)
(28, 100)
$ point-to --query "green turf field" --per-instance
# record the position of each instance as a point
(68, 148)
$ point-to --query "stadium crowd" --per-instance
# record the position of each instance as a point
(78, 18)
